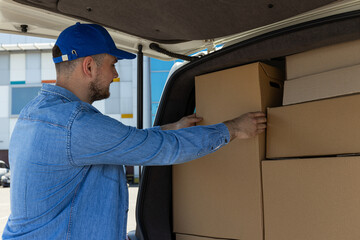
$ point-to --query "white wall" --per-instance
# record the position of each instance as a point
(4, 133)
(100, 105)
(4, 101)
(48, 71)
(17, 67)
(13, 121)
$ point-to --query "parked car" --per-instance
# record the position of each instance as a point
(4, 173)
(4, 168)
(247, 31)
(5, 180)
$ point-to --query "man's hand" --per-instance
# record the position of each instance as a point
(184, 122)
(247, 125)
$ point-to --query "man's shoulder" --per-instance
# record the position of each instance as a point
(53, 110)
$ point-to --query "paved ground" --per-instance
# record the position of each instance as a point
(5, 207)
(132, 205)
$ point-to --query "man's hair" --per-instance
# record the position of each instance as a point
(67, 67)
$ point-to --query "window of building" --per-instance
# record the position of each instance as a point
(20, 96)
(158, 75)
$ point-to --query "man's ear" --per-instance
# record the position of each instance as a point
(89, 67)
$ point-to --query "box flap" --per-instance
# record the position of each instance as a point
(272, 72)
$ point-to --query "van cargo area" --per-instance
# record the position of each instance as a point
(163, 188)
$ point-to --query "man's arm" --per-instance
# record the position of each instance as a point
(98, 139)
(246, 126)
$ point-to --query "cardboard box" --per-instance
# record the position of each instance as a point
(323, 59)
(312, 199)
(191, 237)
(219, 195)
(324, 127)
(323, 85)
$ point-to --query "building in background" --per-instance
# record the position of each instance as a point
(159, 73)
(26, 63)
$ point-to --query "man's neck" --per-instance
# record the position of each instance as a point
(77, 89)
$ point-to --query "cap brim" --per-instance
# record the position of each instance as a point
(120, 54)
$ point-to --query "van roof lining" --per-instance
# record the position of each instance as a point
(179, 21)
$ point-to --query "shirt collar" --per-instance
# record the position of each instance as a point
(56, 90)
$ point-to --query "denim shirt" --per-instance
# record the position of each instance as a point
(67, 166)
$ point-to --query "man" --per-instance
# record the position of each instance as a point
(67, 158)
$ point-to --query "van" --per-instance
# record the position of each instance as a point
(302, 194)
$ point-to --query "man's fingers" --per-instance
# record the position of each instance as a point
(193, 118)
(260, 120)
(198, 119)
(247, 125)
(260, 131)
(258, 114)
(188, 121)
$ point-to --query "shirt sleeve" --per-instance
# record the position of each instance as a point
(94, 138)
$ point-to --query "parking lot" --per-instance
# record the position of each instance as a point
(5, 207)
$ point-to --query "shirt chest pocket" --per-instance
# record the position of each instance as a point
(112, 172)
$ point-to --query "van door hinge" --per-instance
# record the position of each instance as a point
(156, 47)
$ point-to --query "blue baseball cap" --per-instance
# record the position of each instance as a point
(82, 40)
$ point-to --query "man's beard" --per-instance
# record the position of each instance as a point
(96, 93)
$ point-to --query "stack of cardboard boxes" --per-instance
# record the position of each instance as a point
(313, 192)
(301, 188)
(322, 73)
(220, 195)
